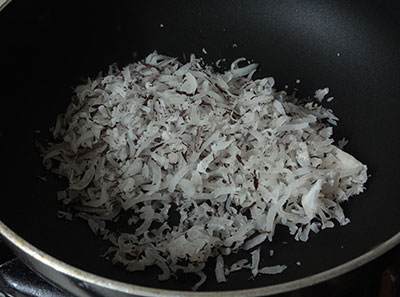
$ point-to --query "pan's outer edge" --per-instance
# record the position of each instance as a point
(129, 289)
(4, 3)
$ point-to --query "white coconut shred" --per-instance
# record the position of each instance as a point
(202, 163)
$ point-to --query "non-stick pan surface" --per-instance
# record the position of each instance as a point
(352, 47)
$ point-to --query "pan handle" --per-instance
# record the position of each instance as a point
(16, 279)
(390, 281)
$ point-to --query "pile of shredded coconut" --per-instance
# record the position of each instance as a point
(199, 164)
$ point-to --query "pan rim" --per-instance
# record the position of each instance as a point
(126, 288)
(4, 3)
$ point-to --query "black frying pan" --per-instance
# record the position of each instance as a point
(353, 47)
